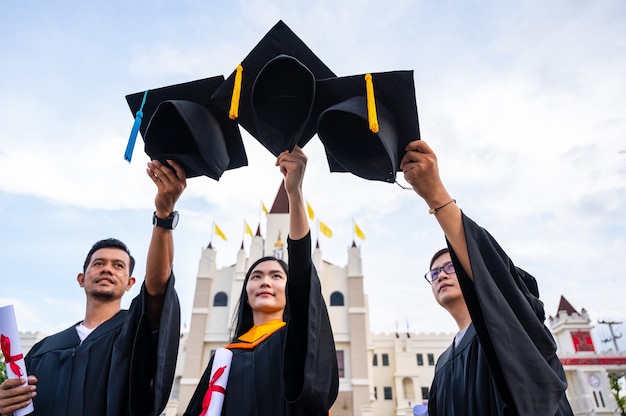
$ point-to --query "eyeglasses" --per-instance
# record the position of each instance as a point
(433, 274)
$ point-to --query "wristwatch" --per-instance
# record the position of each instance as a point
(168, 223)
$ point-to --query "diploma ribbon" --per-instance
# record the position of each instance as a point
(206, 401)
(5, 343)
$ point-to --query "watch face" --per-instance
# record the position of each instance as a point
(169, 223)
(594, 380)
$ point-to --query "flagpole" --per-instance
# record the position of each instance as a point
(212, 229)
(317, 235)
(353, 230)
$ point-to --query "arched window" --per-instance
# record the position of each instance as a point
(407, 389)
(220, 299)
(336, 299)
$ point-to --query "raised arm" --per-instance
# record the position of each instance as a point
(292, 166)
(170, 185)
(420, 168)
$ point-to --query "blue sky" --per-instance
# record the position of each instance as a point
(524, 103)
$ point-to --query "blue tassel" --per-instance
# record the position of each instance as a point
(128, 154)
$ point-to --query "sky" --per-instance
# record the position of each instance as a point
(523, 102)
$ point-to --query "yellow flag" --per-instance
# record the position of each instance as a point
(309, 211)
(248, 229)
(219, 232)
(358, 232)
(325, 230)
(263, 208)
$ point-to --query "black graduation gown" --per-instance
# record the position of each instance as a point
(294, 371)
(506, 363)
(121, 368)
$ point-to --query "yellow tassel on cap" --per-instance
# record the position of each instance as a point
(234, 101)
(372, 118)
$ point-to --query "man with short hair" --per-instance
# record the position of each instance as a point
(114, 362)
(503, 359)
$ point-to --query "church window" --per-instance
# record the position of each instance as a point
(387, 393)
(340, 363)
(336, 299)
(420, 359)
(386, 360)
(220, 299)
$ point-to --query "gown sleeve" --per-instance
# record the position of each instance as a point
(152, 354)
(310, 369)
(508, 316)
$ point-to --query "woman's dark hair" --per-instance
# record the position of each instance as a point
(243, 321)
(437, 255)
(109, 243)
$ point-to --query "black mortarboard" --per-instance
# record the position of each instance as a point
(271, 93)
(366, 121)
(183, 124)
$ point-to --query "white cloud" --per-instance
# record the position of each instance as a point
(523, 103)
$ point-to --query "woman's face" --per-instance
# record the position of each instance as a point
(266, 290)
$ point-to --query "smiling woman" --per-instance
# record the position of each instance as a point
(281, 318)
(265, 289)
(554, 70)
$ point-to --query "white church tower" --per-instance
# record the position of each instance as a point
(586, 369)
(218, 290)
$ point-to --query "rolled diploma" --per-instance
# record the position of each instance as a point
(8, 328)
(223, 357)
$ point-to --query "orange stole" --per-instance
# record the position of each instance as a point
(256, 335)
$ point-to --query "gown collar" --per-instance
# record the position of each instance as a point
(257, 334)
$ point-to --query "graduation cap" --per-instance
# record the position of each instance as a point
(181, 123)
(272, 92)
(366, 121)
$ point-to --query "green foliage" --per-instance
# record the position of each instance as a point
(3, 369)
(616, 388)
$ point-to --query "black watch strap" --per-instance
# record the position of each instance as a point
(168, 223)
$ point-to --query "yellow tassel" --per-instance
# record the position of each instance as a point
(234, 101)
(372, 118)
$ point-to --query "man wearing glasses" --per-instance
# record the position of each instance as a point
(503, 359)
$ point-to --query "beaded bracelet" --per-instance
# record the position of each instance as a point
(434, 210)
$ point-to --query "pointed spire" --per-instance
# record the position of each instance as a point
(281, 203)
(258, 230)
(241, 248)
(317, 244)
(210, 245)
(353, 244)
(279, 243)
(564, 305)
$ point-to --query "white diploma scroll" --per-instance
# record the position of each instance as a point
(12, 351)
(217, 386)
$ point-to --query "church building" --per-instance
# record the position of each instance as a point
(380, 374)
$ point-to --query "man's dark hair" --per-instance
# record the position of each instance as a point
(109, 243)
(437, 254)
